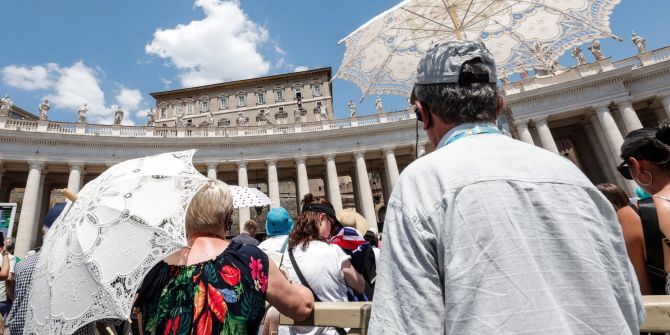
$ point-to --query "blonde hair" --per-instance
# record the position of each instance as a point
(210, 210)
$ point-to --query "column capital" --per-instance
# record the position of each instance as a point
(242, 164)
(665, 98)
(624, 103)
(602, 108)
(329, 156)
(540, 120)
(300, 159)
(76, 165)
(212, 165)
(521, 123)
(271, 162)
(388, 150)
(359, 154)
(37, 165)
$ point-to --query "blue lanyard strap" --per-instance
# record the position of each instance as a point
(476, 130)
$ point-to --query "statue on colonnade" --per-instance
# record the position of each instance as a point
(178, 122)
(210, 118)
(241, 119)
(595, 50)
(151, 117)
(352, 109)
(378, 105)
(640, 42)
(6, 104)
(44, 110)
(118, 115)
(578, 55)
(81, 113)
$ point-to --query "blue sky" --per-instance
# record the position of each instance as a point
(108, 53)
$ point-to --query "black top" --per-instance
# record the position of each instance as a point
(245, 238)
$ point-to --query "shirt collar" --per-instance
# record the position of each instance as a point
(461, 127)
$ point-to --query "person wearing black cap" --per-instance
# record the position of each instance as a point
(490, 235)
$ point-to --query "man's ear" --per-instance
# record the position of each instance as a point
(501, 103)
(425, 115)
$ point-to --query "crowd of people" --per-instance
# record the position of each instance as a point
(485, 235)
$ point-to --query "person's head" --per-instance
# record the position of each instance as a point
(371, 238)
(455, 83)
(615, 194)
(316, 222)
(278, 222)
(210, 211)
(250, 227)
(9, 245)
(646, 157)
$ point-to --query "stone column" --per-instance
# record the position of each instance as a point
(303, 180)
(522, 130)
(273, 183)
(610, 129)
(601, 154)
(392, 173)
(243, 180)
(334, 194)
(610, 154)
(545, 135)
(40, 200)
(630, 119)
(74, 181)
(211, 170)
(364, 191)
(665, 101)
(27, 229)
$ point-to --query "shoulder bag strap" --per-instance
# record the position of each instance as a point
(304, 283)
(653, 243)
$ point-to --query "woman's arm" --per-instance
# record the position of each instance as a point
(290, 299)
(352, 277)
(4, 273)
(631, 227)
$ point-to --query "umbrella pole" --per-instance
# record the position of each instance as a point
(454, 20)
(69, 195)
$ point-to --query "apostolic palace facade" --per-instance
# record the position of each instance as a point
(278, 133)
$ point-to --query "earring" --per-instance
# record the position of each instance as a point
(651, 178)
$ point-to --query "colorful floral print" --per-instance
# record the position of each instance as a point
(223, 296)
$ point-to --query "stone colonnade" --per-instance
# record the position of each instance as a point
(33, 207)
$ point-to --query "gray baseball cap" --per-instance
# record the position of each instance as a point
(442, 63)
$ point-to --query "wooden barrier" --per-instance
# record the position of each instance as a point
(356, 315)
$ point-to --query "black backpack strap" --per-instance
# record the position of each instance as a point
(653, 242)
(304, 283)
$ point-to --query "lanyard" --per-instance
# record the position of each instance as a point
(476, 130)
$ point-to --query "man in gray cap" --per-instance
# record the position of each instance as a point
(490, 235)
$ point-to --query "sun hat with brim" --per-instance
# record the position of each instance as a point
(53, 214)
(350, 218)
(322, 208)
(278, 222)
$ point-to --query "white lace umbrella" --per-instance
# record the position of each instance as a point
(102, 245)
(248, 197)
(382, 55)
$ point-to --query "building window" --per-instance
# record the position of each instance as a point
(204, 106)
(223, 103)
(316, 90)
(297, 93)
(189, 108)
(279, 95)
(241, 101)
(260, 98)
(177, 109)
(163, 112)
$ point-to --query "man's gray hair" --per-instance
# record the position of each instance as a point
(462, 102)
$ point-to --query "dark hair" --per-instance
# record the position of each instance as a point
(650, 144)
(251, 227)
(371, 238)
(306, 227)
(615, 194)
(473, 99)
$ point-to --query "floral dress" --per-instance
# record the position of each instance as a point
(225, 295)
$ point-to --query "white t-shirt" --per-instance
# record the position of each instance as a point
(321, 265)
(3, 288)
(273, 248)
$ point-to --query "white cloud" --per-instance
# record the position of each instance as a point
(129, 99)
(222, 46)
(67, 88)
(29, 78)
(300, 68)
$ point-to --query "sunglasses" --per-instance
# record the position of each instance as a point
(624, 169)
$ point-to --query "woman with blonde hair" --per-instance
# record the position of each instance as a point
(213, 286)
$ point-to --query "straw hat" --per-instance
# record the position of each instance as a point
(350, 218)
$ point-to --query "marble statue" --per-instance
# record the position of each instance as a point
(118, 115)
(6, 104)
(261, 118)
(595, 50)
(241, 119)
(378, 105)
(524, 74)
(299, 115)
(323, 112)
(178, 122)
(44, 110)
(210, 118)
(81, 113)
(640, 42)
(150, 117)
(352, 108)
(505, 79)
(578, 55)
